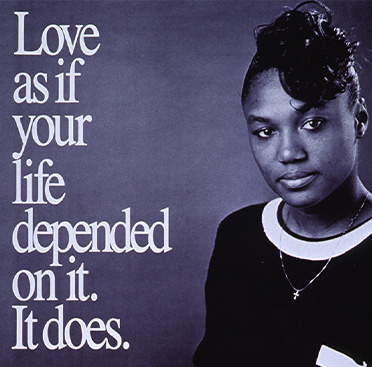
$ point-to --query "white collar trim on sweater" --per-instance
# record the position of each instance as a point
(310, 249)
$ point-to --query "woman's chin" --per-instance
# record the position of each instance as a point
(300, 199)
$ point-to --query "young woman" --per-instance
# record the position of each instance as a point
(290, 282)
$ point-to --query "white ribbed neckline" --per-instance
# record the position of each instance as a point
(310, 249)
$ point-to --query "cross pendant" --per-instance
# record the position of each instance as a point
(296, 294)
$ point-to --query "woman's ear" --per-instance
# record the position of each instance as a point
(361, 118)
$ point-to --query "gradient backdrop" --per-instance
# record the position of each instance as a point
(167, 131)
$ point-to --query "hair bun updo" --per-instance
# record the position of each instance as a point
(315, 59)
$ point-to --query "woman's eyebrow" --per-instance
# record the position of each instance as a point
(255, 119)
(319, 108)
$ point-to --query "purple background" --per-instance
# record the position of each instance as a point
(167, 131)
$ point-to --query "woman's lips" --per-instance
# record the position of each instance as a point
(297, 180)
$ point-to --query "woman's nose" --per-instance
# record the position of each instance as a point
(291, 150)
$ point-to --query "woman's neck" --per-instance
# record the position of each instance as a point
(348, 206)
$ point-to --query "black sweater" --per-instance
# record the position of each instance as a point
(252, 318)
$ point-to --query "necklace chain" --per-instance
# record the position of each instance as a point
(297, 291)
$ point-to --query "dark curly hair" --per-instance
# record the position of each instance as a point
(315, 59)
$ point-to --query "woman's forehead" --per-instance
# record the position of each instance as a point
(267, 98)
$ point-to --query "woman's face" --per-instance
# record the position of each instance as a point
(303, 156)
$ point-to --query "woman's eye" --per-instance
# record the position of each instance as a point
(265, 132)
(312, 124)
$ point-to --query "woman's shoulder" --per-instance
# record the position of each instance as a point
(240, 240)
(241, 216)
(243, 223)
